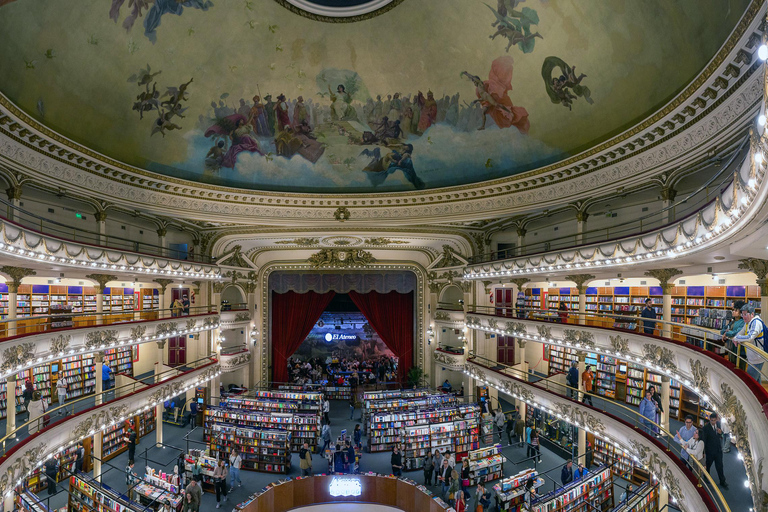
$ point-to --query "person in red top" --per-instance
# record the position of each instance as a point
(461, 505)
(587, 378)
(563, 312)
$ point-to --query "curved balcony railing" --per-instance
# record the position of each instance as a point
(42, 225)
(63, 322)
(682, 208)
(545, 394)
(717, 222)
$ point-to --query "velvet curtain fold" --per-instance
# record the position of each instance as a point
(391, 316)
(293, 316)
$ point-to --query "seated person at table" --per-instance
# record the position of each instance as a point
(447, 386)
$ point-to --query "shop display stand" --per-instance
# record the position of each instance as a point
(264, 450)
(415, 446)
(156, 488)
(510, 492)
(404, 403)
(303, 427)
(88, 495)
(595, 492)
(338, 392)
(486, 464)
(27, 501)
(207, 465)
(279, 401)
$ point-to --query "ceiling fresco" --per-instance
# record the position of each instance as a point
(425, 94)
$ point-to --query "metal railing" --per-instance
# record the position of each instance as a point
(622, 412)
(238, 306)
(77, 405)
(38, 324)
(704, 338)
(42, 225)
(682, 208)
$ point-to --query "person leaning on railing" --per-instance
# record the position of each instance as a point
(752, 336)
(733, 328)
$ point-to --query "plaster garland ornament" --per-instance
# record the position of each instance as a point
(760, 269)
(137, 332)
(665, 276)
(229, 363)
(661, 356)
(447, 359)
(165, 328)
(191, 324)
(582, 339)
(341, 258)
(619, 344)
(18, 355)
(301, 242)
(16, 274)
(60, 343)
(243, 317)
(466, 286)
(100, 338)
(380, 241)
(545, 331)
(659, 467)
(700, 376)
(442, 315)
(23, 465)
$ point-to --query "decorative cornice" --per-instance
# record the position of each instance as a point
(665, 277)
(16, 274)
(341, 258)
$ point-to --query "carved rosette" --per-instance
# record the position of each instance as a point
(619, 344)
(191, 324)
(60, 343)
(660, 356)
(243, 317)
(18, 355)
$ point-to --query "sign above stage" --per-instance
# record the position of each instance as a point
(336, 336)
(345, 487)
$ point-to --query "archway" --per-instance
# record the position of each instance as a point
(232, 295)
(451, 294)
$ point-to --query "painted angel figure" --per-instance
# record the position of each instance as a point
(566, 87)
(493, 96)
(238, 130)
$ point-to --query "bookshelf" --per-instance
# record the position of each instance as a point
(112, 443)
(404, 403)
(338, 392)
(27, 501)
(510, 491)
(385, 429)
(303, 427)
(92, 496)
(595, 492)
(486, 464)
(622, 465)
(264, 450)
(635, 384)
(610, 377)
(645, 499)
(555, 434)
(415, 443)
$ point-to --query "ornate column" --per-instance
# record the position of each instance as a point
(582, 441)
(14, 196)
(15, 274)
(666, 278)
(520, 283)
(581, 224)
(96, 452)
(161, 232)
(163, 287)
(668, 195)
(102, 280)
(520, 241)
(159, 407)
(98, 374)
(218, 287)
(101, 218)
(10, 420)
(581, 285)
(760, 269)
(251, 288)
(665, 381)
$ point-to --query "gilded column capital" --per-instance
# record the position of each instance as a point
(13, 192)
(520, 282)
(100, 216)
(581, 216)
(760, 269)
(162, 232)
(521, 232)
(102, 280)
(163, 283)
(198, 284)
(580, 280)
(487, 286)
(16, 274)
(668, 193)
(665, 276)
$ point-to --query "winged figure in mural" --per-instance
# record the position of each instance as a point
(143, 77)
(493, 96)
(515, 26)
(155, 9)
(380, 167)
(564, 87)
(147, 100)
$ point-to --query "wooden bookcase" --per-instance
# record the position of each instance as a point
(486, 464)
(595, 492)
(265, 450)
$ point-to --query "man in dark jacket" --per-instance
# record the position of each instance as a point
(573, 380)
(51, 470)
(712, 436)
(650, 313)
(397, 462)
(79, 458)
(566, 475)
(511, 420)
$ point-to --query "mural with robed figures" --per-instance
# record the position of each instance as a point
(426, 94)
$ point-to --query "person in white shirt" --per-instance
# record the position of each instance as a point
(694, 446)
(326, 411)
(753, 336)
(684, 434)
(235, 461)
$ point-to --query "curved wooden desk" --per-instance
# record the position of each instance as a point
(316, 489)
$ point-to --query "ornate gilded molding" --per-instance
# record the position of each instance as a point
(138, 331)
(700, 375)
(381, 241)
(661, 356)
(341, 258)
(659, 467)
(301, 242)
(16, 274)
(581, 339)
(19, 355)
(579, 417)
(544, 331)
(60, 343)
(243, 317)
(102, 280)
(760, 269)
(22, 466)
(230, 363)
(100, 338)
(580, 280)
(665, 277)
(619, 344)
(164, 283)
(166, 328)
(442, 315)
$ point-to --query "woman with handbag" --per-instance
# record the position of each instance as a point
(36, 413)
(465, 473)
(535, 448)
(454, 488)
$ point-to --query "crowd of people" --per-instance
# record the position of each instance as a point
(338, 371)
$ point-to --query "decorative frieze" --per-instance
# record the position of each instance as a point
(18, 355)
(660, 356)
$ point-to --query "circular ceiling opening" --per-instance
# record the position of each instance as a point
(339, 10)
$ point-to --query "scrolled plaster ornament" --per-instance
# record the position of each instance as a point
(60, 343)
(18, 355)
(661, 356)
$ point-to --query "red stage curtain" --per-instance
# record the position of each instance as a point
(391, 316)
(293, 316)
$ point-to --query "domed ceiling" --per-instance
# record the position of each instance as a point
(413, 94)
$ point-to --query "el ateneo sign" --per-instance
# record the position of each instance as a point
(345, 487)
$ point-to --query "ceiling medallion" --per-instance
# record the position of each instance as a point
(341, 241)
(339, 11)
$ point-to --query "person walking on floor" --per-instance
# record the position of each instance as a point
(572, 379)
(528, 430)
(196, 492)
(752, 336)
(51, 471)
(428, 469)
(131, 440)
(130, 479)
(510, 425)
(445, 477)
(325, 434)
(587, 378)
(305, 460)
(649, 325)
(220, 482)
(454, 488)
(396, 461)
(106, 376)
(326, 411)
(499, 420)
(535, 448)
(713, 447)
(437, 466)
(61, 391)
(36, 413)
(566, 474)
(648, 412)
(357, 437)
(29, 390)
(235, 462)
(351, 456)
(656, 397)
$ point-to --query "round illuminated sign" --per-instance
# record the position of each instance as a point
(328, 336)
(339, 10)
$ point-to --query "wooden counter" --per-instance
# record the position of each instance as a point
(381, 490)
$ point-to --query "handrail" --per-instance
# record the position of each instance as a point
(633, 416)
(707, 339)
(570, 240)
(84, 402)
(26, 219)
(10, 328)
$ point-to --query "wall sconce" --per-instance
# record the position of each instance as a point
(430, 335)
